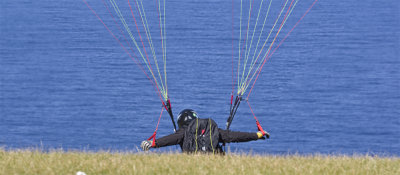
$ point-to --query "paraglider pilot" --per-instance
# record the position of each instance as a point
(201, 135)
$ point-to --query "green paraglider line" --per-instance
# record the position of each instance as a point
(124, 48)
(167, 103)
(269, 56)
(242, 87)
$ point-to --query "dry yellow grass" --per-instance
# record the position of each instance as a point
(60, 162)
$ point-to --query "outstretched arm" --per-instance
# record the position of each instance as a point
(172, 139)
(234, 136)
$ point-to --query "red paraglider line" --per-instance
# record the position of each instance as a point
(153, 136)
(140, 36)
(259, 127)
(247, 31)
(119, 42)
(119, 28)
(251, 109)
(276, 35)
(162, 39)
(269, 56)
(233, 84)
(277, 18)
(159, 118)
(297, 23)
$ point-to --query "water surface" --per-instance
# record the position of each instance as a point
(332, 87)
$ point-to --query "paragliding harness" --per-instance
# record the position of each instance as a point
(201, 136)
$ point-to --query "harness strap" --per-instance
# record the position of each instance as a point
(197, 127)
(212, 146)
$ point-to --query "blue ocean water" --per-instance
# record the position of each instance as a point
(332, 87)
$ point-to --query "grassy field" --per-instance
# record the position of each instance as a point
(61, 162)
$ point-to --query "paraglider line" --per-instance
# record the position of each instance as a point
(269, 56)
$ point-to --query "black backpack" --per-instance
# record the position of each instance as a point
(201, 135)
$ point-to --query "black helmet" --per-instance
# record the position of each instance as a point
(185, 116)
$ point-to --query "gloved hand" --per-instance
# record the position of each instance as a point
(146, 145)
(261, 134)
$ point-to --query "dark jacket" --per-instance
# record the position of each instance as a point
(225, 136)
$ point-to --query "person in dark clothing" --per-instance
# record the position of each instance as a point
(197, 135)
